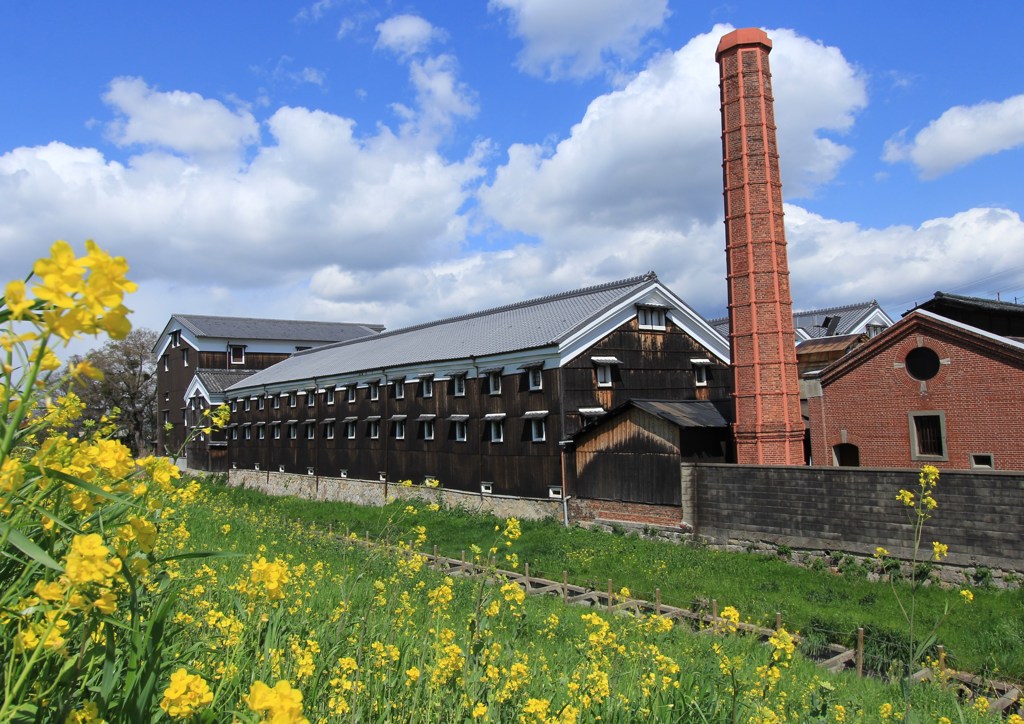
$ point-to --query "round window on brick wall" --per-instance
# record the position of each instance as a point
(922, 363)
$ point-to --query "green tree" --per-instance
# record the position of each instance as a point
(128, 386)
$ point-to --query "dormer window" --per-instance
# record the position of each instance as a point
(650, 318)
(238, 354)
(700, 371)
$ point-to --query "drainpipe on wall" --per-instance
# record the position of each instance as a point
(479, 445)
(384, 418)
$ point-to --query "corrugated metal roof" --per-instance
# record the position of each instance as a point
(684, 413)
(241, 328)
(216, 381)
(813, 322)
(525, 325)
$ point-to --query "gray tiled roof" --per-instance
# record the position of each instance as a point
(812, 322)
(525, 325)
(273, 329)
(216, 381)
(942, 299)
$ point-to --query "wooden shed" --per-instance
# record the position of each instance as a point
(635, 452)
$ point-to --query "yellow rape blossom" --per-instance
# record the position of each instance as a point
(87, 562)
(186, 694)
(280, 705)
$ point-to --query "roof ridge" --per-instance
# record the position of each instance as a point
(181, 316)
(628, 282)
(838, 308)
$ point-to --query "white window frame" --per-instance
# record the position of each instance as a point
(261, 402)
(184, 356)
(427, 387)
(247, 433)
(277, 432)
(262, 433)
(374, 393)
(461, 430)
(428, 429)
(277, 402)
(459, 386)
(915, 447)
(311, 398)
(234, 433)
(350, 430)
(240, 360)
(494, 383)
(399, 429)
(234, 405)
(293, 431)
(311, 431)
(604, 375)
(329, 396)
(496, 428)
(373, 429)
(246, 405)
(350, 394)
(293, 399)
(167, 364)
(329, 430)
(700, 376)
(400, 389)
(538, 430)
(535, 378)
(651, 318)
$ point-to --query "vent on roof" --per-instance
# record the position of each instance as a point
(831, 324)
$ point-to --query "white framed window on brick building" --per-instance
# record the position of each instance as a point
(928, 436)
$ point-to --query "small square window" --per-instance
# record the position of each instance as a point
(256, 466)
(400, 389)
(427, 387)
(604, 375)
(538, 430)
(399, 429)
(461, 428)
(536, 378)
(309, 471)
(486, 488)
(280, 468)
(234, 465)
(554, 491)
(650, 318)
(497, 430)
(344, 473)
(983, 461)
(459, 386)
(350, 393)
(494, 383)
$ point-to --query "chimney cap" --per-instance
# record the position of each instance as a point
(743, 36)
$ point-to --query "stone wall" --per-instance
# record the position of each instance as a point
(980, 515)
(371, 492)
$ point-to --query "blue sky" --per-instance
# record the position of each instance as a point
(400, 162)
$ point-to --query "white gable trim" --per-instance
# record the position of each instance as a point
(654, 295)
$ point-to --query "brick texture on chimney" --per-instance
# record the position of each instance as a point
(768, 427)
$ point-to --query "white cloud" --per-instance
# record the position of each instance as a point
(184, 122)
(961, 135)
(646, 159)
(580, 38)
(407, 35)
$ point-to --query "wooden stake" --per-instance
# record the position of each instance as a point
(526, 567)
(778, 620)
(609, 595)
(942, 658)
(714, 609)
(860, 651)
(436, 564)
(565, 587)
(657, 601)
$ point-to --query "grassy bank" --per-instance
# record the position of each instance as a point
(985, 637)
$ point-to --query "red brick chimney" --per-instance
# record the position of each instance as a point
(768, 429)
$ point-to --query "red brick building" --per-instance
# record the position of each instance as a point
(928, 390)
